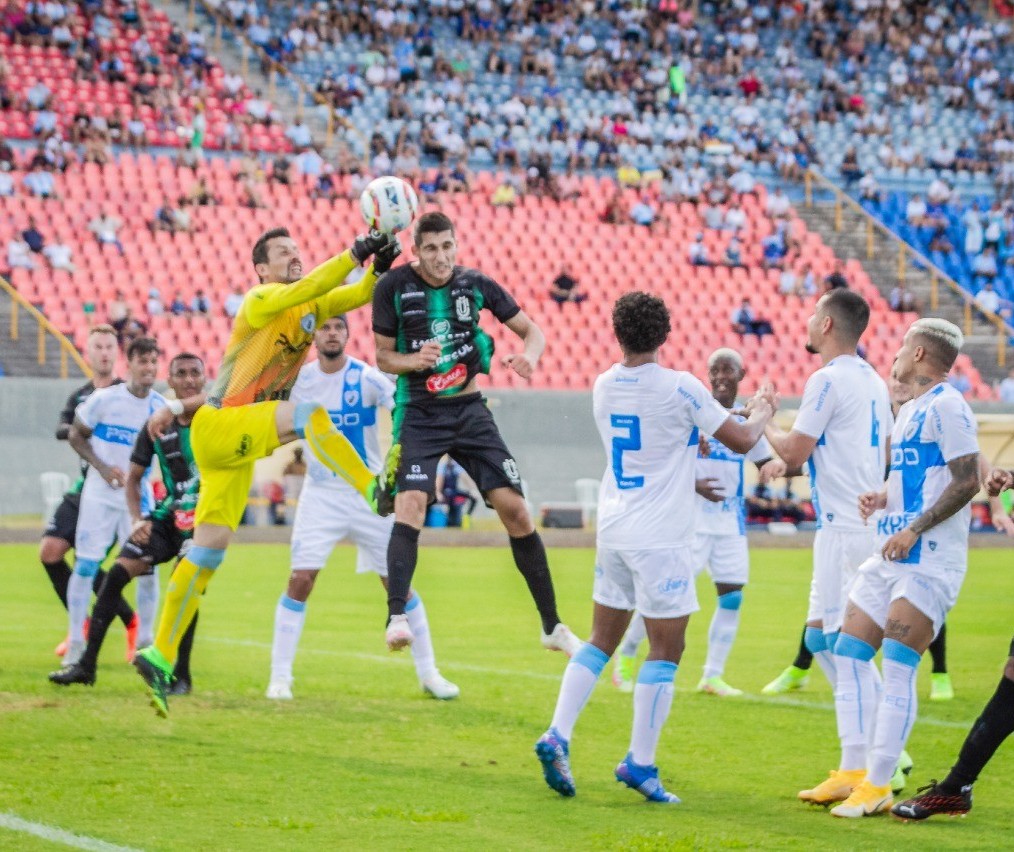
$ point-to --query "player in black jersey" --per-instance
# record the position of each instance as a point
(426, 325)
(58, 537)
(163, 536)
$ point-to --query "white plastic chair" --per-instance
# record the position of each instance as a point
(588, 496)
(54, 485)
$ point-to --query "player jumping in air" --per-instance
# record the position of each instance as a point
(426, 325)
(649, 419)
(247, 415)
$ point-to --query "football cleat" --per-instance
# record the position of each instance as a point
(836, 788)
(623, 672)
(73, 674)
(135, 622)
(562, 639)
(717, 686)
(554, 755)
(158, 676)
(279, 690)
(382, 489)
(790, 679)
(865, 800)
(941, 688)
(931, 801)
(901, 773)
(398, 634)
(439, 687)
(645, 780)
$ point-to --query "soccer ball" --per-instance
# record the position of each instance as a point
(389, 204)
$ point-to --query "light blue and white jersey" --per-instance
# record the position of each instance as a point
(650, 419)
(932, 430)
(729, 516)
(846, 407)
(115, 417)
(351, 396)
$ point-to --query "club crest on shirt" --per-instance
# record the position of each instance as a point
(910, 431)
(308, 323)
(351, 397)
(830, 517)
(463, 308)
(932, 545)
(510, 467)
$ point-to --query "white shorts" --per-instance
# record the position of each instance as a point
(657, 583)
(837, 555)
(325, 516)
(880, 583)
(99, 524)
(725, 556)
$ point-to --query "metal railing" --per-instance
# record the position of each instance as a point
(44, 329)
(273, 70)
(906, 256)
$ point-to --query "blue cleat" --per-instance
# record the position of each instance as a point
(645, 780)
(554, 755)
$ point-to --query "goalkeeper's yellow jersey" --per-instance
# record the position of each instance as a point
(274, 329)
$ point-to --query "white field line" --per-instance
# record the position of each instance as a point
(58, 835)
(555, 678)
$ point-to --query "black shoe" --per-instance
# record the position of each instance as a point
(181, 686)
(930, 801)
(74, 673)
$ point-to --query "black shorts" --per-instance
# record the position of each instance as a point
(64, 522)
(462, 427)
(164, 544)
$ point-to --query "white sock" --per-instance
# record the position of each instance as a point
(422, 643)
(897, 711)
(634, 636)
(819, 644)
(722, 633)
(147, 608)
(79, 595)
(855, 699)
(579, 680)
(653, 694)
(290, 615)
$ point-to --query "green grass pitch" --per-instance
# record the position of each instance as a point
(362, 759)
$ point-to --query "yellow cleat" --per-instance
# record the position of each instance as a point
(837, 788)
(866, 800)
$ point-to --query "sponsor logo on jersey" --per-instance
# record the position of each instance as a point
(416, 474)
(454, 377)
(115, 434)
(243, 447)
(673, 586)
(510, 467)
(440, 327)
(351, 397)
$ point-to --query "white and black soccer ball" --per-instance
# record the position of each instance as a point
(389, 204)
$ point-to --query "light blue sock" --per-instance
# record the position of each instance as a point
(653, 695)
(579, 680)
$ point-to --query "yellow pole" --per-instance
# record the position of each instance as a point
(1001, 345)
(934, 288)
(14, 320)
(63, 362)
(968, 317)
(191, 14)
(901, 262)
(243, 59)
(808, 188)
(869, 237)
(272, 79)
(837, 212)
(42, 344)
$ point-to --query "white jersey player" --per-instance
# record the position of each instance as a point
(720, 541)
(105, 426)
(650, 419)
(903, 592)
(841, 433)
(330, 510)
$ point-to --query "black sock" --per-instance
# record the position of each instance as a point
(804, 659)
(938, 651)
(991, 728)
(59, 576)
(182, 669)
(402, 555)
(124, 611)
(103, 613)
(530, 557)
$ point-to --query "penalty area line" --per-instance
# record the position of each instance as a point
(775, 701)
(11, 822)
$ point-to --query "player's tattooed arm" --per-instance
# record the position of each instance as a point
(963, 487)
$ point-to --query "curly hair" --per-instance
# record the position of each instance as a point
(640, 322)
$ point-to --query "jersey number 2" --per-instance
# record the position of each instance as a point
(630, 425)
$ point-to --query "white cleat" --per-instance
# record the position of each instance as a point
(561, 639)
(439, 687)
(75, 650)
(279, 690)
(398, 633)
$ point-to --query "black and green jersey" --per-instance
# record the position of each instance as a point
(408, 309)
(67, 419)
(179, 472)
